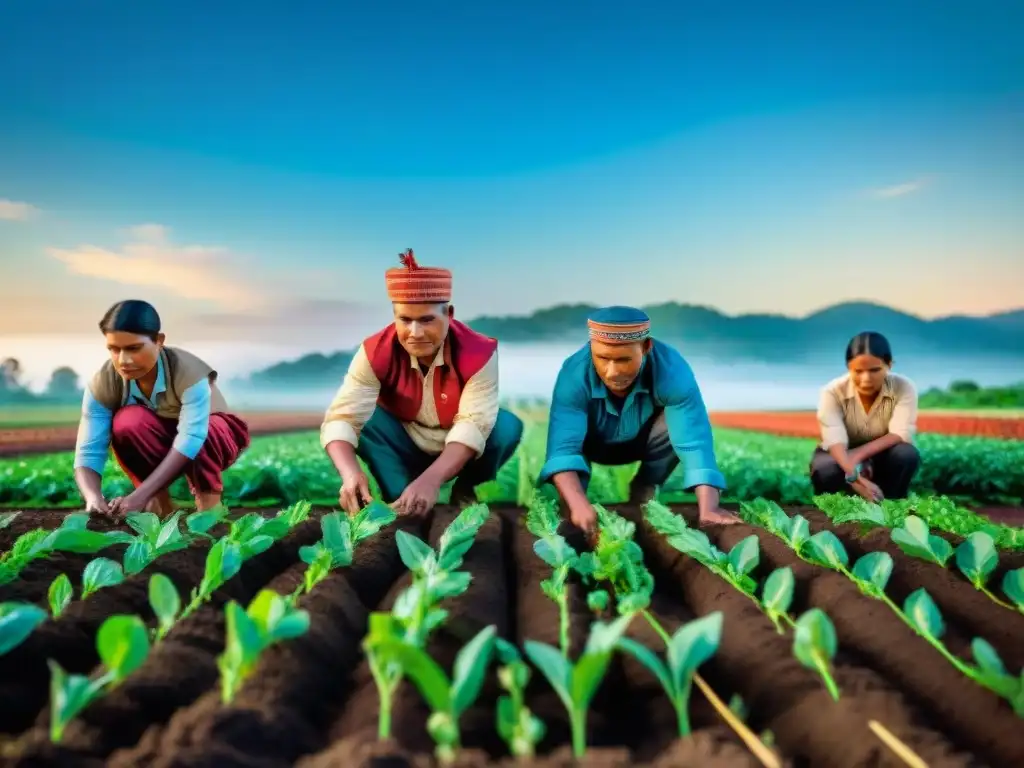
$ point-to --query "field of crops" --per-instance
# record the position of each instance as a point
(1003, 424)
(281, 469)
(494, 635)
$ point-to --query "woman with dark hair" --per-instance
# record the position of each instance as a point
(868, 419)
(160, 411)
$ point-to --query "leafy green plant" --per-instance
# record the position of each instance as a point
(692, 644)
(223, 562)
(617, 560)
(17, 622)
(914, 538)
(59, 595)
(777, 596)
(71, 536)
(123, 644)
(815, 645)
(100, 573)
(155, 538)
(976, 557)
(447, 699)
(517, 725)
(7, 518)
(166, 604)
(1013, 587)
(270, 618)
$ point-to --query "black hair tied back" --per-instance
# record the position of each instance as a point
(132, 316)
(869, 343)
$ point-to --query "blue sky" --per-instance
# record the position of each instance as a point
(258, 165)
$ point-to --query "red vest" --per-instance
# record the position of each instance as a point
(401, 386)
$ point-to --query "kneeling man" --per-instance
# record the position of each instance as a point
(419, 403)
(627, 397)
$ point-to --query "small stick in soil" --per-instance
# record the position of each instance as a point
(754, 744)
(903, 752)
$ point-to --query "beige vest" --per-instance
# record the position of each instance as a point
(181, 370)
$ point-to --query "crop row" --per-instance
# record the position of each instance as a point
(283, 469)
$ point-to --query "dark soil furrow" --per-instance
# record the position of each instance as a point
(754, 660)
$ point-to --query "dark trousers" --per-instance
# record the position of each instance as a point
(395, 460)
(891, 470)
(652, 447)
(141, 441)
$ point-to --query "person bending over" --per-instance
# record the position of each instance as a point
(625, 397)
(419, 403)
(868, 419)
(160, 411)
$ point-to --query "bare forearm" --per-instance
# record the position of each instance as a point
(449, 462)
(89, 482)
(167, 472)
(842, 457)
(343, 455)
(866, 451)
(707, 498)
(569, 488)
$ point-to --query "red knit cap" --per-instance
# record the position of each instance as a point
(413, 284)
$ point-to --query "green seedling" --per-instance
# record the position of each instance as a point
(815, 646)
(7, 518)
(556, 552)
(154, 538)
(270, 618)
(577, 683)
(1013, 587)
(341, 535)
(71, 536)
(223, 562)
(690, 647)
(915, 539)
(618, 560)
(976, 557)
(59, 595)
(517, 725)
(100, 573)
(123, 644)
(777, 597)
(201, 523)
(17, 622)
(447, 699)
(795, 530)
(166, 604)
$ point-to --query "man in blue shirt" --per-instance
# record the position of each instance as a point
(626, 397)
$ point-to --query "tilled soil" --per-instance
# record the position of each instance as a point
(313, 703)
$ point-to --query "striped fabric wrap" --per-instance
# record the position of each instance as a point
(413, 284)
(616, 333)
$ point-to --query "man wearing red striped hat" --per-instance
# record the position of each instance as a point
(419, 403)
(625, 397)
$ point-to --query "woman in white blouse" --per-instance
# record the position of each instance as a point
(868, 419)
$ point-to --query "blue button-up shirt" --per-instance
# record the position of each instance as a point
(582, 406)
(93, 444)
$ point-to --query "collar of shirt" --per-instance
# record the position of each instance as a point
(159, 386)
(850, 391)
(443, 357)
(598, 390)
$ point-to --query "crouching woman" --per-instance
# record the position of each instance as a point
(868, 418)
(161, 412)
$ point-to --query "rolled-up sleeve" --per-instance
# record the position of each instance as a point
(904, 412)
(478, 409)
(567, 427)
(689, 427)
(354, 403)
(194, 419)
(93, 443)
(831, 420)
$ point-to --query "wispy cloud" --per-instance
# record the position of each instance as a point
(11, 210)
(901, 190)
(149, 258)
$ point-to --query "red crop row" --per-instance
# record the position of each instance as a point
(805, 424)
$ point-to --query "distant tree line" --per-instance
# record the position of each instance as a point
(968, 395)
(63, 386)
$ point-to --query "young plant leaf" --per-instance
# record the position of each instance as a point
(17, 622)
(976, 558)
(826, 549)
(7, 518)
(914, 539)
(693, 644)
(59, 595)
(470, 668)
(815, 645)
(872, 572)
(1013, 587)
(123, 644)
(778, 593)
(146, 524)
(139, 554)
(924, 614)
(416, 554)
(99, 573)
(165, 602)
(745, 556)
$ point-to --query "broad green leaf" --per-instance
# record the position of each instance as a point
(123, 644)
(138, 555)
(100, 573)
(202, 522)
(451, 556)
(555, 668)
(417, 556)
(69, 695)
(337, 538)
(693, 644)
(170, 534)
(650, 660)
(1013, 587)
(244, 641)
(428, 676)
(825, 548)
(604, 636)
(83, 541)
(256, 545)
(470, 668)
(778, 591)
(976, 558)
(797, 531)
(745, 556)
(864, 512)
(311, 553)
(293, 624)
(59, 594)
(914, 539)
(17, 622)
(7, 518)
(924, 614)
(443, 586)
(507, 652)
(586, 677)
(814, 639)
(697, 545)
(266, 609)
(164, 600)
(987, 658)
(873, 571)
(554, 551)
(76, 521)
(632, 603)
(146, 524)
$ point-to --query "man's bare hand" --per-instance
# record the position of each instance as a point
(718, 516)
(98, 505)
(584, 517)
(419, 497)
(868, 490)
(355, 492)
